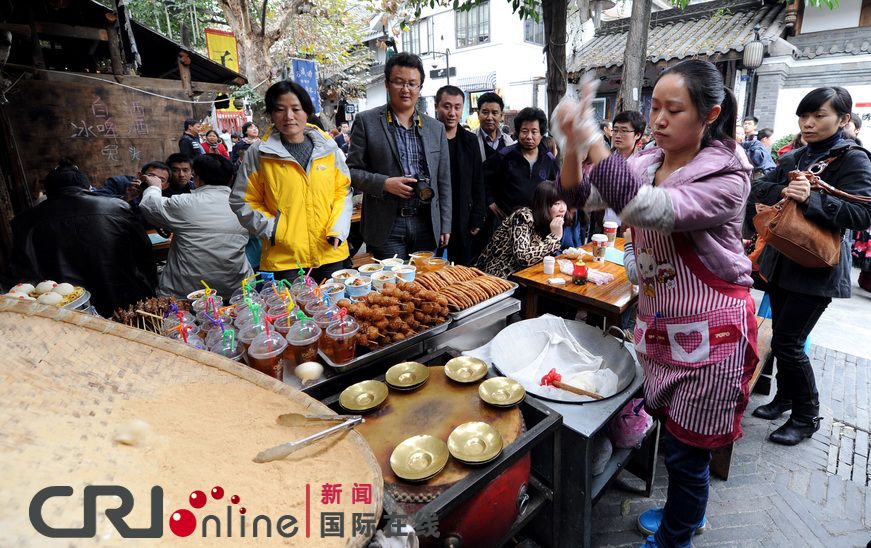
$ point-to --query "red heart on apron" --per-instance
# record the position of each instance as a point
(688, 341)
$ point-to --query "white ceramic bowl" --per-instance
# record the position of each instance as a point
(358, 286)
(369, 269)
(340, 276)
(406, 273)
(390, 263)
(381, 278)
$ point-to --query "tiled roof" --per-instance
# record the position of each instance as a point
(831, 43)
(705, 29)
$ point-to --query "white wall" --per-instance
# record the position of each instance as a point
(516, 63)
(786, 122)
(843, 17)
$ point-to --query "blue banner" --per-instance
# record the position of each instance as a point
(305, 73)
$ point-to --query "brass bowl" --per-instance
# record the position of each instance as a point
(501, 391)
(419, 458)
(407, 375)
(466, 369)
(363, 396)
(475, 442)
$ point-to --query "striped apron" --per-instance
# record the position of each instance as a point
(695, 336)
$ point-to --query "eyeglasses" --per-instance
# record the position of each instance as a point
(623, 131)
(403, 84)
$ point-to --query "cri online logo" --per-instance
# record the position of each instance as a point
(182, 522)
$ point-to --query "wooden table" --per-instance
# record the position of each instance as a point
(159, 250)
(356, 214)
(609, 300)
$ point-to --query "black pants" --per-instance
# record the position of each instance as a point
(409, 234)
(793, 316)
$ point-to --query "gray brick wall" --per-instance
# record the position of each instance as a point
(770, 78)
(774, 76)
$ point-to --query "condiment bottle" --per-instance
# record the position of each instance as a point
(549, 265)
(579, 274)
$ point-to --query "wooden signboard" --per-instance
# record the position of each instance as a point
(108, 129)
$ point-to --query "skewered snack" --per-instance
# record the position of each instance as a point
(145, 314)
(460, 287)
(395, 314)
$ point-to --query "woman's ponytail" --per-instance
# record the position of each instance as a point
(723, 128)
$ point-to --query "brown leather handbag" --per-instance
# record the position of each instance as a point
(785, 227)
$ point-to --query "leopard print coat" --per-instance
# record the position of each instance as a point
(516, 245)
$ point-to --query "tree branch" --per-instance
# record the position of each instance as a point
(263, 19)
(274, 35)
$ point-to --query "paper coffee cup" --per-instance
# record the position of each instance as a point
(600, 242)
(610, 229)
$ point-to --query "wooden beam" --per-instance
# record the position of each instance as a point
(113, 29)
(184, 70)
(70, 31)
(58, 29)
(21, 30)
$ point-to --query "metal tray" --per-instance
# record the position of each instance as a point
(83, 302)
(484, 304)
(374, 355)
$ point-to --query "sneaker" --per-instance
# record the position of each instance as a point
(649, 521)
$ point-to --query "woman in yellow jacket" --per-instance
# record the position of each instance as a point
(293, 190)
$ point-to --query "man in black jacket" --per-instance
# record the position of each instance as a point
(467, 182)
(189, 143)
(512, 174)
(78, 237)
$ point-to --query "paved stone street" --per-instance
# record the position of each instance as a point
(814, 494)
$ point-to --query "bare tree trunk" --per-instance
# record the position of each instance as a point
(253, 47)
(635, 57)
(554, 13)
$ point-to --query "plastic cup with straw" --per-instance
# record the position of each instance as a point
(302, 340)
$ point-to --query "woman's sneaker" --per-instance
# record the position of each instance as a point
(650, 520)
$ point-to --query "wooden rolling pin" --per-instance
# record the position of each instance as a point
(576, 390)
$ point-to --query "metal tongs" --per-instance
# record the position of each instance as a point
(296, 419)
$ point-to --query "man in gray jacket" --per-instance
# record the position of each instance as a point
(208, 242)
(399, 159)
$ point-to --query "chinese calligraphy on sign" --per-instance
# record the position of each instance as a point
(305, 73)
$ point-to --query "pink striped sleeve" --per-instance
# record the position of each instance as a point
(577, 196)
(615, 182)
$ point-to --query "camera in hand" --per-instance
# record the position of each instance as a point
(423, 190)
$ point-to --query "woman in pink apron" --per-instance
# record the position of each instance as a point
(695, 333)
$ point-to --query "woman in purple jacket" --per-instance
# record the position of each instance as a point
(695, 333)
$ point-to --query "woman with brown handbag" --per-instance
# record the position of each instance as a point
(800, 294)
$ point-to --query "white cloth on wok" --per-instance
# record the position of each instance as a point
(547, 344)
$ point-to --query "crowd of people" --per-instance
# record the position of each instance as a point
(685, 182)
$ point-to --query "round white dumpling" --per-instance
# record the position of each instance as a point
(22, 288)
(309, 371)
(135, 432)
(50, 298)
(19, 296)
(45, 287)
(64, 289)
